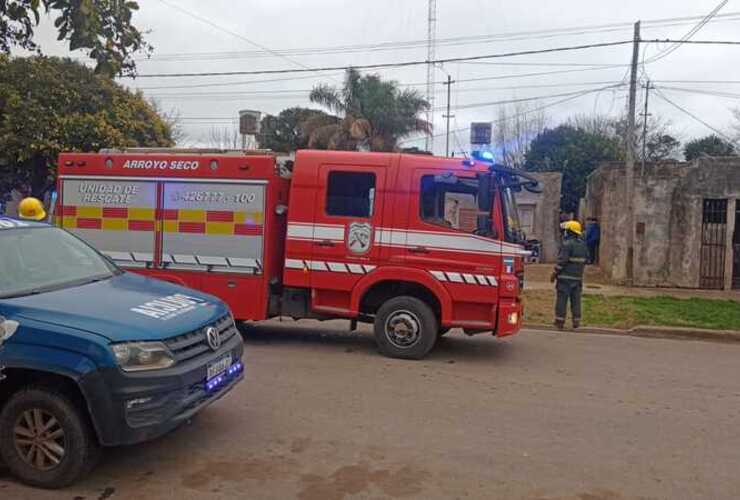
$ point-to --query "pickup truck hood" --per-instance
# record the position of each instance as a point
(127, 307)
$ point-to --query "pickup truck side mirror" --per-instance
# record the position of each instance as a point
(7, 329)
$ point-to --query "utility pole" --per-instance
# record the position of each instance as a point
(645, 116)
(630, 163)
(449, 83)
(431, 47)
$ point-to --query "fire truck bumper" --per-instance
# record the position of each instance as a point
(510, 316)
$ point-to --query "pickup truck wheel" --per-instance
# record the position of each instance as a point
(45, 439)
(406, 328)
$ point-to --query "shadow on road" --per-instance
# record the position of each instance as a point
(335, 336)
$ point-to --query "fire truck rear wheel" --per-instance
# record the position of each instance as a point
(406, 328)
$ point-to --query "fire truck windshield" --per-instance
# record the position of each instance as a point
(512, 225)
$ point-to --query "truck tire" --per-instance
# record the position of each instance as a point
(405, 328)
(45, 439)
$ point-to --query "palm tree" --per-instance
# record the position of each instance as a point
(374, 113)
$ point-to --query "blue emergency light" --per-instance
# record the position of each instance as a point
(482, 155)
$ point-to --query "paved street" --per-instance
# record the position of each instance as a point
(541, 416)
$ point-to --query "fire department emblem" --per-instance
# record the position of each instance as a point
(359, 239)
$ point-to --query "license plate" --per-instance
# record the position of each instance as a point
(218, 367)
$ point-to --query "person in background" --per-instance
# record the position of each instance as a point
(568, 274)
(31, 208)
(593, 238)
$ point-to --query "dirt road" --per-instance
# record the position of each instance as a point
(543, 416)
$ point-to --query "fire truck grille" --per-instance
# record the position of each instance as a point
(193, 344)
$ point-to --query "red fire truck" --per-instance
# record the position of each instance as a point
(413, 243)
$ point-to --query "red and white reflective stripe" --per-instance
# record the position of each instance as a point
(333, 267)
(468, 279)
(298, 231)
(188, 262)
(392, 237)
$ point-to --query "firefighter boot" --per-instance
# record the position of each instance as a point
(576, 324)
(559, 324)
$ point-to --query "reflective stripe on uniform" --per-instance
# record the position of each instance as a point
(571, 278)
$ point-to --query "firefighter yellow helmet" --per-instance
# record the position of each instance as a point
(573, 226)
(31, 209)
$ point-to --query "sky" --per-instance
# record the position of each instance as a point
(253, 35)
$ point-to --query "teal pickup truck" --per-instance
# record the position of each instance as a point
(92, 356)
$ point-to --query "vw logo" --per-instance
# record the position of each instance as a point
(213, 337)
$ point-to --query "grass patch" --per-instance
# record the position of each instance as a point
(627, 312)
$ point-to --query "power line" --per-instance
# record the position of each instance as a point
(692, 115)
(416, 84)
(452, 41)
(528, 99)
(389, 65)
(438, 61)
(228, 84)
(713, 93)
(302, 92)
(517, 115)
(688, 35)
(232, 33)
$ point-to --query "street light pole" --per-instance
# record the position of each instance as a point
(449, 83)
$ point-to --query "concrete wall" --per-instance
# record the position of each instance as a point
(668, 204)
(546, 211)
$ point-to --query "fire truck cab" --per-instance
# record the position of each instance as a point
(413, 243)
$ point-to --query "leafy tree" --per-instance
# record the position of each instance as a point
(575, 153)
(711, 145)
(661, 147)
(291, 129)
(375, 114)
(661, 143)
(49, 105)
(101, 27)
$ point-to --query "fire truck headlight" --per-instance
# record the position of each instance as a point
(140, 356)
(513, 318)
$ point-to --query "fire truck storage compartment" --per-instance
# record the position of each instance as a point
(204, 234)
(116, 217)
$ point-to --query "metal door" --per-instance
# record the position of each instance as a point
(713, 244)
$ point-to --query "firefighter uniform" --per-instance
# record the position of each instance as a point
(569, 274)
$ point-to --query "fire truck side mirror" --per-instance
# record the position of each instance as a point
(485, 192)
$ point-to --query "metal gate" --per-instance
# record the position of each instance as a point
(713, 244)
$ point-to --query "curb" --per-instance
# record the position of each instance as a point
(658, 332)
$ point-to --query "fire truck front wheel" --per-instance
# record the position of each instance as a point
(406, 328)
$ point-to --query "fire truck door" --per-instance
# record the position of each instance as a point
(348, 213)
(442, 239)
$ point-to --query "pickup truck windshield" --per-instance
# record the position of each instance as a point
(37, 260)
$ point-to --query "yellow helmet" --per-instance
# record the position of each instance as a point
(573, 226)
(31, 209)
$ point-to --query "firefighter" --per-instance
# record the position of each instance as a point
(569, 274)
(31, 208)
